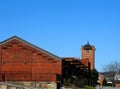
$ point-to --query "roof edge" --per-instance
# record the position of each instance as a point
(31, 45)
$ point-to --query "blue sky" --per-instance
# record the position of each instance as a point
(63, 26)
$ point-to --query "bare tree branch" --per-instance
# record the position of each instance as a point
(111, 69)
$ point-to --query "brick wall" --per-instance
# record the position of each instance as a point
(21, 62)
(89, 54)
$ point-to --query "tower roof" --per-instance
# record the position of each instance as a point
(87, 46)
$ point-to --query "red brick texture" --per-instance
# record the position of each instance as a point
(89, 54)
(117, 85)
(22, 62)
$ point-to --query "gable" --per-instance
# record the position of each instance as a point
(15, 39)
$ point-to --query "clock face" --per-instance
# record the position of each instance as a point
(87, 51)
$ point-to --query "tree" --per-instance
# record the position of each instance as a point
(93, 77)
(110, 70)
(112, 67)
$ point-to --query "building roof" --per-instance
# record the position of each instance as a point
(31, 45)
(117, 76)
(87, 46)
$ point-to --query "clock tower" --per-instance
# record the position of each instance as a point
(88, 52)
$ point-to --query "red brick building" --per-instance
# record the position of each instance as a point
(88, 52)
(23, 61)
(72, 66)
(101, 79)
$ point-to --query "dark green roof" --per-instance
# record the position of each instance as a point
(87, 46)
